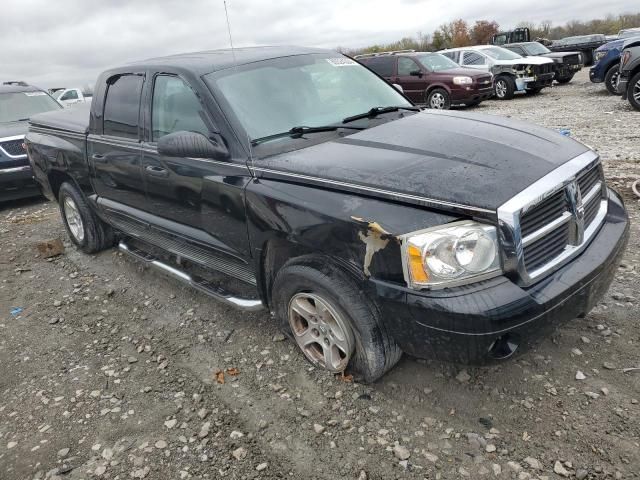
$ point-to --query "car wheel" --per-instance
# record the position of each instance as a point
(439, 99)
(331, 321)
(633, 91)
(563, 80)
(83, 226)
(505, 88)
(611, 79)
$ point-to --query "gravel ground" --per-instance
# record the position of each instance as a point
(111, 371)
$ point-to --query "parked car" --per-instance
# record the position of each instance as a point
(18, 101)
(585, 44)
(629, 82)
(511, 72)
(71, 96)
(606, 67)
(368, 227)
(565, 64)
(431, 78)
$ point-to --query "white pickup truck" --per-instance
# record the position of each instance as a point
(71, 96)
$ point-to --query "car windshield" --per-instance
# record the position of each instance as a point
(273, 96)
(500, 53)
(536, 48)
(437, 62)
(22, 105)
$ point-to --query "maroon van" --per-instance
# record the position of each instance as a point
(431, 78)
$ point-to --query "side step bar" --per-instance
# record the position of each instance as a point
(246, 304)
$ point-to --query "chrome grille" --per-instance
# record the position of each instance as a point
(552, 220)
(13, 147)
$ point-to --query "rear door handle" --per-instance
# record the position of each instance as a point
(157, 171)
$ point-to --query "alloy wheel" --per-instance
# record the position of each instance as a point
(636, 91)
(614, 80)
(320, 331)
(437, 101)
(74, 220)
(501, 88)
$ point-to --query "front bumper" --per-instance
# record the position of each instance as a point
(538, 81)
(596, 74)
(17, 182)
(471, 95)
(472, 324)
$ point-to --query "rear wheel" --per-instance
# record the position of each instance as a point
(505, 88)
(335, 326)
(564, 80)
(439, 99)
(633, 91)
(611, 79)
(83, 226)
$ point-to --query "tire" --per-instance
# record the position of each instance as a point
(504, 87)
(611, 79)
(533, 91)
(438, 99)
(85, 229)
(311, 280)
(633, 91)
(563, 80)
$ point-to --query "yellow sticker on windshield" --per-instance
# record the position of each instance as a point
(341, 62)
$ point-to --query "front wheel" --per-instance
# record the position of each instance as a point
(611, 79)
(83, 226)
(505, 88)
(633, 91)
(439, 99)
(335, 326)
(563, 80)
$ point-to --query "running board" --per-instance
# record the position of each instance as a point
(246, 304)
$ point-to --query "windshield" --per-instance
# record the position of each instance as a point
(500, 53)
(22, 105)
(536, 48)
(273, 96)
(437, 62)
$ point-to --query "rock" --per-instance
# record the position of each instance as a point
(609, 366)
(515, 466)
(63, 452)
(318, 428)
(560, 470)
(236, 435)
(592, 395)
(490, 448)
(50, 248)
(497, 469)
(476, 441)
(401, 453)
(132, 359)
(605, 391)
(107, 454)
(202, 413)
(11, 445)
(99, 471)
(239, 453)
(580, 375)
(170, 423)
(53, 321)
(278, 337)
(262, 466)
(463, 472)
(585, 339)
(431, 457)
(576, 351)
(533, 463)
(463, 376)
(581, 474)
(363, 475)
(204, 430)
(161, 445)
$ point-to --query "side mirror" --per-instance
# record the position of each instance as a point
(415, 73)
(192, 144)
(398, 87)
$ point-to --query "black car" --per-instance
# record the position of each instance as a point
(298, 181)
(565, 64)
(18, 101)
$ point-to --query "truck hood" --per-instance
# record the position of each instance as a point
(559, 55)
(608, 46)
(525, 61)
(448, 160)
(12, 129)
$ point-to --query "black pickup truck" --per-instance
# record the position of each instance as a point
(565, 64)
(299, 181)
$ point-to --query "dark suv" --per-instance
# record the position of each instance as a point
(431, 78)
(565, 64)
(18, 101)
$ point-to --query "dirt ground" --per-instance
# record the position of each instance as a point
(110, 371)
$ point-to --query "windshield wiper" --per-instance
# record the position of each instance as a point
(375, 111)
(297, 132)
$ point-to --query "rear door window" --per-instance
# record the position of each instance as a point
(406, 66)
(383, 66)
(122, 106)
(70, 95)
(472, 58)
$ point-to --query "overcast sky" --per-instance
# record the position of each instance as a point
(68, 42)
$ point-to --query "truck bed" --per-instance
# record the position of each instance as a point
(74, 119)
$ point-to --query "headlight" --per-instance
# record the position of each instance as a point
(450, 255)
(599, 55)
(462, 80)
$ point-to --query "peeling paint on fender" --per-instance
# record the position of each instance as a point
(375, 239)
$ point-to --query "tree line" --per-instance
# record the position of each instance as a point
(460, 33)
